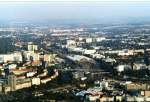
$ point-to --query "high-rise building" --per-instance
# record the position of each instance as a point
(12, 82)
(32, 47)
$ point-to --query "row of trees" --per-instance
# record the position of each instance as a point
(6, 45)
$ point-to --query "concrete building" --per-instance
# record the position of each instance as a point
(31, 55)
(121, 68)
(12, 82)
(126, 52)
(71, 44)
(49, 57)
(88, 40)
(11, 66)
(133, 86)
(99, 39)
(145, 93)
(32, 47)
(36, 81)
(88, 52)
(138, 66)
(16, 56)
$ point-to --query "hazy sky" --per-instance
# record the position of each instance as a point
(73, 10)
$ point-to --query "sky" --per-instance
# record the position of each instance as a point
(73, 10)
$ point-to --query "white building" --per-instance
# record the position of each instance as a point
(17, 56)
(138, 66)
(101, 84)
(110, 60)
(77, 49)
(98, 56)
(8, 57)
(1, 58)
(88, 52)
(80, 39)
(11, 66)
(71, 43)
(126, 53)
(122, 68)
(88, 40)
(99, 39)
(78, 58)
(49, 57)
(36, 81)
(30, 54)
(32, 47)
